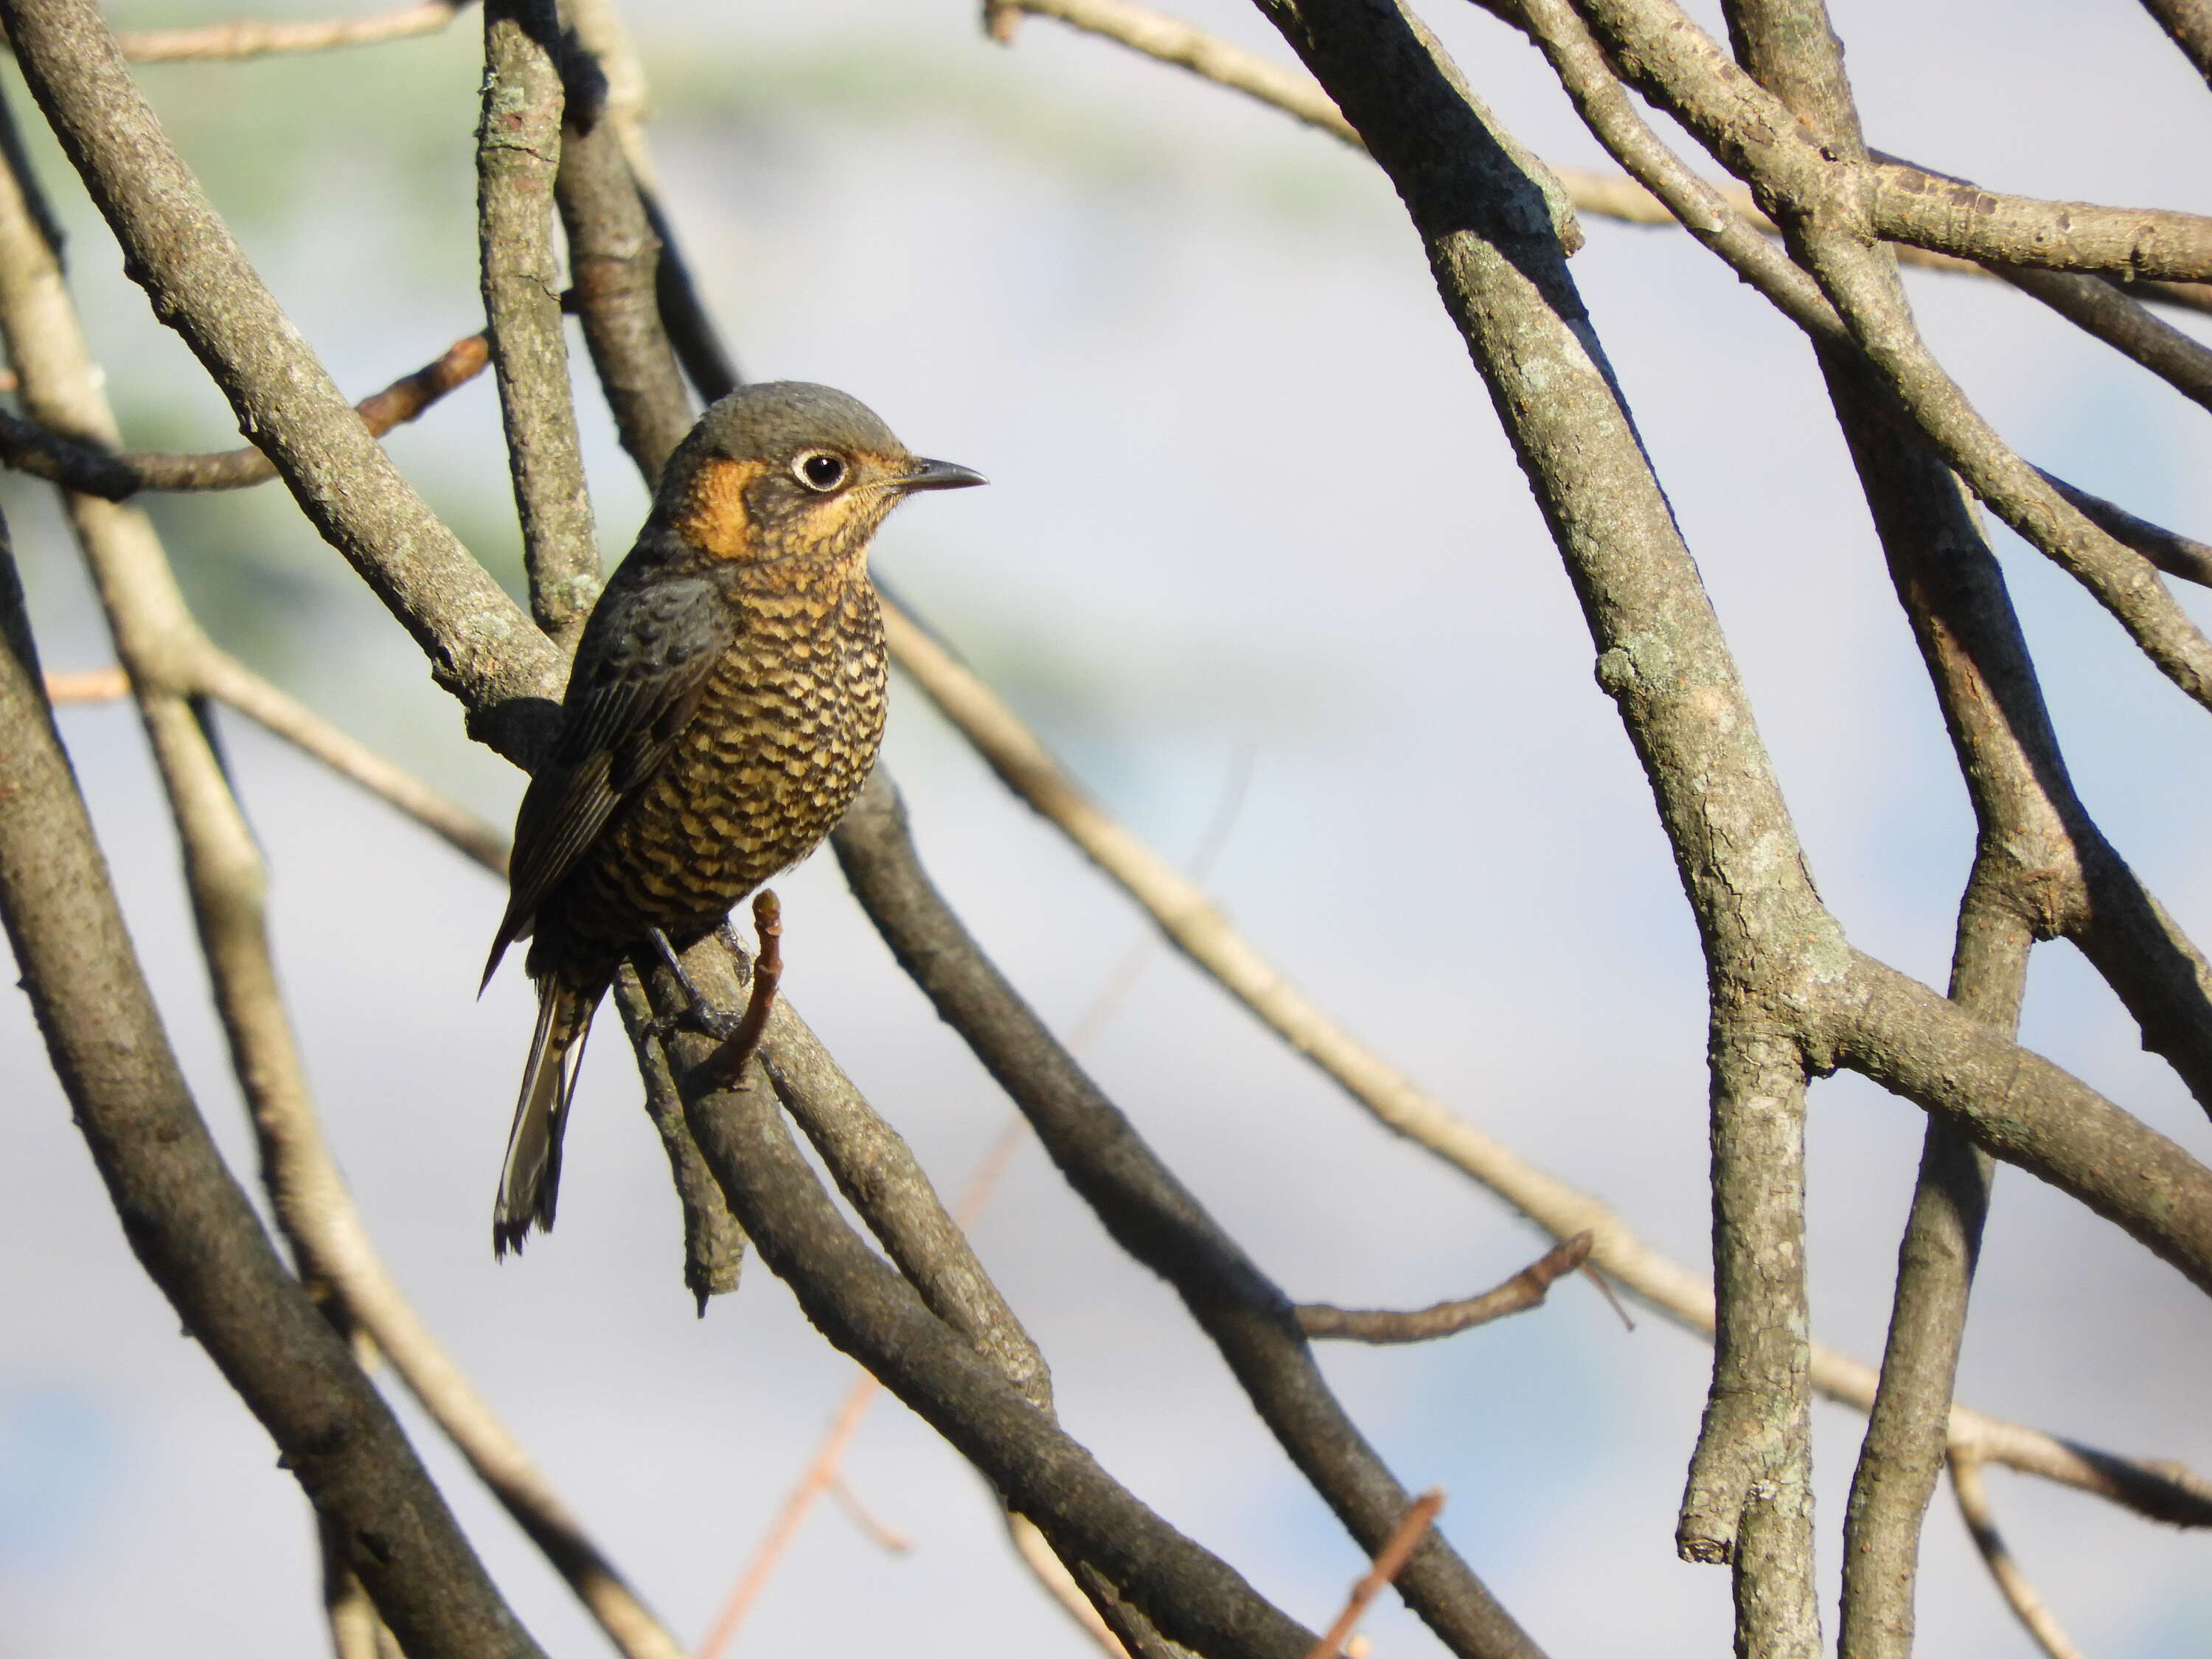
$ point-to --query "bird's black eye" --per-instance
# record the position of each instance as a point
(817, 469)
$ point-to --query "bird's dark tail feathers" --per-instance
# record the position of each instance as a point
(531, 1182)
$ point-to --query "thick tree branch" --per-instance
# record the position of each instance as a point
(184, 1217)
(2024, 1109)
(2189, 24)
(1954, 594)
(1908, 204)
(1925, 526)
(518, 154)
(865, 1308)
(1748, 1501)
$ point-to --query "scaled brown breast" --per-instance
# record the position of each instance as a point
(782, 740)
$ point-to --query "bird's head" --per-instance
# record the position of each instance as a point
(787, 471)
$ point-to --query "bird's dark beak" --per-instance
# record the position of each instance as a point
(940, 475)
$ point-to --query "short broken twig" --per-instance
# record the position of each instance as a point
(1526, 1289)
(725, 1067)
(1389, 1561)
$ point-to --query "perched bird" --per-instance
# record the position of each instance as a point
(725, 706)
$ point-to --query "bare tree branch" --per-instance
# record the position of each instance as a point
(215, 673)
(517, 156)
(1954, 594)
(1170, 40)
(480, 646)
(2189, 24)
(1981, 1523)
(1389, 1561)
(170, 664)
(866, 1309)
(252, 38)
(2102, 308)
(713, 1243)
(1197, 928)
(1525, 1289)
(614, 259)
(186, 1218)
(93, 469)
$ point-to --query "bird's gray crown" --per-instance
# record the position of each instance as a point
(775, 419)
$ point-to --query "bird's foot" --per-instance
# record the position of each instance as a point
(698, 1014)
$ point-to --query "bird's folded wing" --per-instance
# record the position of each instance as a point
(639, 674)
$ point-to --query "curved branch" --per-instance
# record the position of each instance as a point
(1525, 1289)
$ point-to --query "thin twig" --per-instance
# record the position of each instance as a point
(215, 673)
(88, 685)
(252, 38)
(1389, 1561)
(94, 470)
(886, 1538)
(1035, 1553)
(2021, 1596)
(1526, 1289)
(815, 1480)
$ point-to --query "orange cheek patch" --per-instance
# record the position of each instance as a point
(712, 514)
